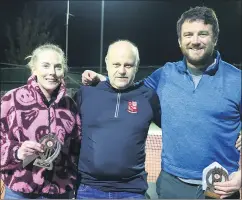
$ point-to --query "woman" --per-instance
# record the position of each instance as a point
(40, 132)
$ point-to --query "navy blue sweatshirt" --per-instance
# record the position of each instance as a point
(115, 124)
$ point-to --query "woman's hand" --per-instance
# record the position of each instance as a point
(29, 148)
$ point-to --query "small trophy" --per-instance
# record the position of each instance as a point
(52, 148)
(211, 174)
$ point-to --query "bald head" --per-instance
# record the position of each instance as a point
(122, 61)
(121, 46)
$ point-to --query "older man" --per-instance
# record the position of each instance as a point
(201, 110)
(116, 115)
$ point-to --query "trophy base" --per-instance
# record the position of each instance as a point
(211, 195)
(43, 164)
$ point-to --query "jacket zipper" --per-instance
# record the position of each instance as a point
(49, 120)
(117, 105)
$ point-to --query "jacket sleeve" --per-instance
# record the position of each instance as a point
(155, 104)
(75, 142)
(9, 143)
(77, 99)
(76, 137)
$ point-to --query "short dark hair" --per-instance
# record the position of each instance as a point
(199, 13)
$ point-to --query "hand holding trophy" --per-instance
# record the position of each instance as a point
(212, 174)
(51, 146)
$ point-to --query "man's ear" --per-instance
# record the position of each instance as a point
(179, 42)
(136, 68)
(106, 62)
(215, 42)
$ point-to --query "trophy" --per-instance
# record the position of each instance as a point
(51, 148)
(211, 174)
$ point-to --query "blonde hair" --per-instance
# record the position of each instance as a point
(134, 49)
(42, 48)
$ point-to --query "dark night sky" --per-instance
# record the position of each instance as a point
(149, 24)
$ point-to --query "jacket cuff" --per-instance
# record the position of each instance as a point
(15, 152)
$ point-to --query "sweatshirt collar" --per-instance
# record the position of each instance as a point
(211, 70)
(105, 85)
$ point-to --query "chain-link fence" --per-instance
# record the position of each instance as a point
(12, 76)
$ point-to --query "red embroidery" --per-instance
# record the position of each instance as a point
(132, 107)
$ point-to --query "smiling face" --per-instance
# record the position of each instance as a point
(121, 63)
(48, 70)
(197, 43)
